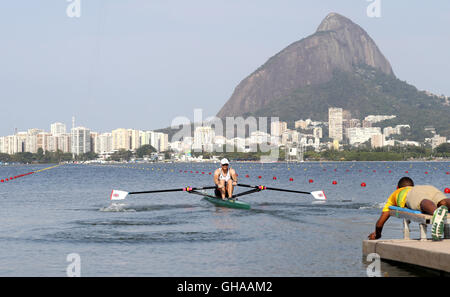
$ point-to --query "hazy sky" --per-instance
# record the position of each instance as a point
(140, 63)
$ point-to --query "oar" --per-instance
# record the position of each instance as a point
(319, 195)
(121, 195)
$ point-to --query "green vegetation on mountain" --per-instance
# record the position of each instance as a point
(363, 92)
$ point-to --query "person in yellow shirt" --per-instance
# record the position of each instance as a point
(424, 198)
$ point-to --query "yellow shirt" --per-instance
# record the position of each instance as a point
(397, 198)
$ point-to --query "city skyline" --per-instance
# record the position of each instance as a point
(342, 129)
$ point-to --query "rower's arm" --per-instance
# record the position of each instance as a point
(234, 176)
(216, 178)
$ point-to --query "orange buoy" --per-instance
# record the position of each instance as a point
(291, 179)
(447, 191)
(334, 182)
(363, 184)
(311, 181)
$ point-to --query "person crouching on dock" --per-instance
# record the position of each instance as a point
(424, 198)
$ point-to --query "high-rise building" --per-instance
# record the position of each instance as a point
(103, 143)
(289, 137)
(149, 138)
(204, 139)
(377, 140)
(81, 140)
(43, 141)
(163, 142)
(335, 118)
(2, 145)
(56, 129)
(31, 141)
(121, 139)
(277, 128)
(317, 132)
(94, 138)
(64, 143)
(135, 139)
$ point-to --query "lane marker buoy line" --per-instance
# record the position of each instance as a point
(28, 173)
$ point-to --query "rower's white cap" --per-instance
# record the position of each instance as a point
(224, 161)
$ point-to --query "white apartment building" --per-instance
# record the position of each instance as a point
(437, 140)
(135, 139)
(335, 119)
(13, 144)
(378, 118)
(361, 135)
(204, 139)
(57, 129)
(277, 128)
(163, 142)
(318, 132)
(64, 142)
(148, 138)
(44, 141)
(377, 141)
(259, 137)
(388, 131)
(81, 140)
(158, 140)
(103, 143)
(121, 139)
(302, 124)
(290, 136)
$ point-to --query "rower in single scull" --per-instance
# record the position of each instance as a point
(225, 179)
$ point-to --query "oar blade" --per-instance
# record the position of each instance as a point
(118, 195)
(319, 195)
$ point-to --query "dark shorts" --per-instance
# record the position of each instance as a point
(218, 194)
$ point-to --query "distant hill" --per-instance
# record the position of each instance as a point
(338, 66)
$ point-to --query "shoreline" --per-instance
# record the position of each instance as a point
(210, 162)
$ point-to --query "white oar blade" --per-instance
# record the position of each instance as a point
(118, 195)
(319, 195)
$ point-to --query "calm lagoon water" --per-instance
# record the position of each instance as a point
(51, 214)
